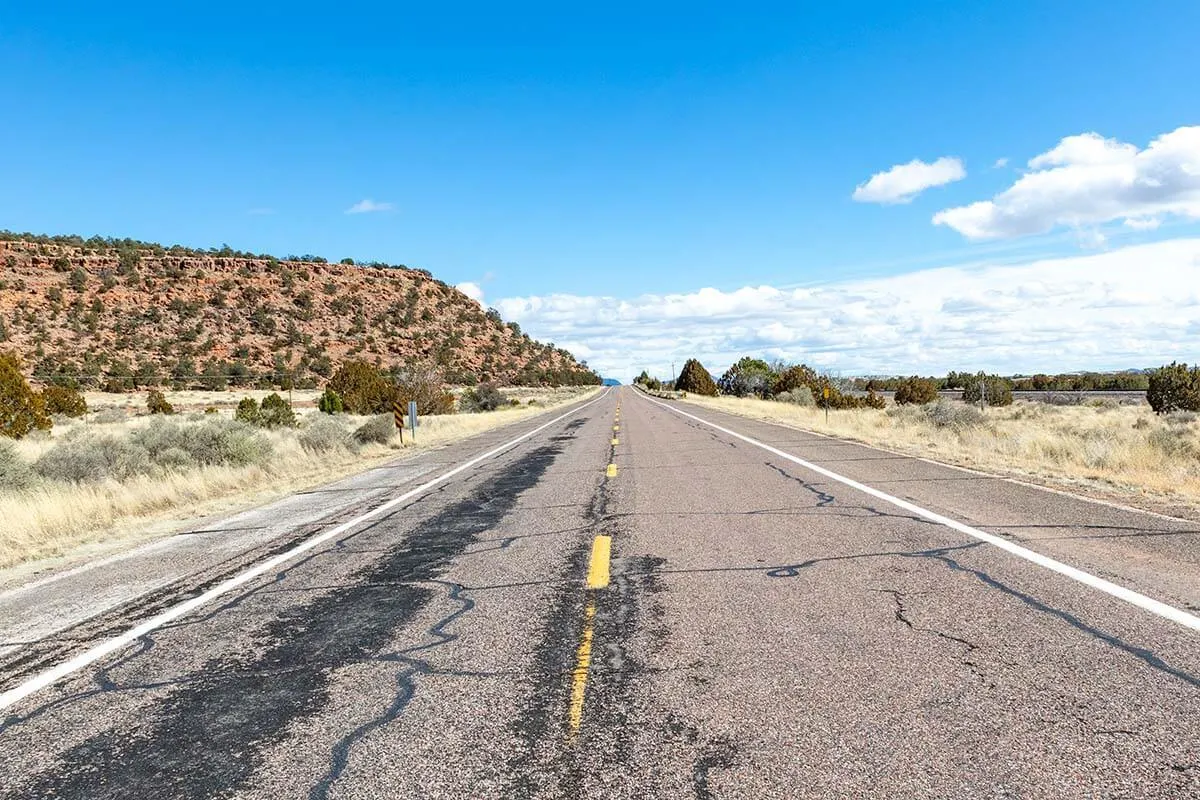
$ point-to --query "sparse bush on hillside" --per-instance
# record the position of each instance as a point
(916, 391)
(484, 397)
(1174, 388)
(696, 379)
(330, 402)
(22, 410)
(64, 400)
(157, 403)
(379, 430)
(364, 389)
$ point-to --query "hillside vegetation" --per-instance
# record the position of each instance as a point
(123, 314)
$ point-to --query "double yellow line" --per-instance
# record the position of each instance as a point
(598, 577)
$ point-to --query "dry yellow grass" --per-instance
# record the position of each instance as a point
(56, 518)
(1125, 452)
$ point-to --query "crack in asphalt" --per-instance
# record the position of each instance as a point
(902, 615)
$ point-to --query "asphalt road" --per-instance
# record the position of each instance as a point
(763, 630)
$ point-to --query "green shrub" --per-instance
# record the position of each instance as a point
(330, 402)
(1174, 388)
(21, 408)
(324, 435)
(63, 400)
(916, 391)
(749, 376)
(157, 403)
(696, 379)
(248, 412)
(276, 412)
(484, 397)
(15, 473)
(998, 390)
(211, 410)
(379, 430)
(364, 389)
(797, 376)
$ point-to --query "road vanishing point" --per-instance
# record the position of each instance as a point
(628, 598)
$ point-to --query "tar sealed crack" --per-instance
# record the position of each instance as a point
(553, 761)
(207, 734)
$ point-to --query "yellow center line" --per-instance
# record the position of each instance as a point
(579, 675)
(612, 471)
(598, 565)
(615, 442)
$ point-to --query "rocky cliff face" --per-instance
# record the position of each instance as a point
(121, 314)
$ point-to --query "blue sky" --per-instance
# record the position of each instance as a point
(634, 151)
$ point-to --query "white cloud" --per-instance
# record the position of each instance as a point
(903, 182)
(260, 212)
(1090, 180)
(1131, 307)
(471, 290)
(1001, 163)
(368, 206)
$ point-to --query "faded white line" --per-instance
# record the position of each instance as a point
(90, 656)
(1074, 573)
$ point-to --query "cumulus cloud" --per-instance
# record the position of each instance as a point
(471, 290)
(903, 182)
(1131, 307)
(1089, 180)
(368, 206)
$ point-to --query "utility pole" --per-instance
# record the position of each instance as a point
(672, 375)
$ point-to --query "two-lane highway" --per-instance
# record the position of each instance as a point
(634, 600)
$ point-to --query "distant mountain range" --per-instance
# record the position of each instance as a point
(122, 313)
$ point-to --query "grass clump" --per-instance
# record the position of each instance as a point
(377, 430)
(324, 435)
(15, 474)
(800, 396)
(952, 414)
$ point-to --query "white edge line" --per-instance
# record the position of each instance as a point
(970, 470)
(1074, 573)
(103, 649)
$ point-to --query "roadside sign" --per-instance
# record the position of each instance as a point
(398, 416)
(412, 418)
